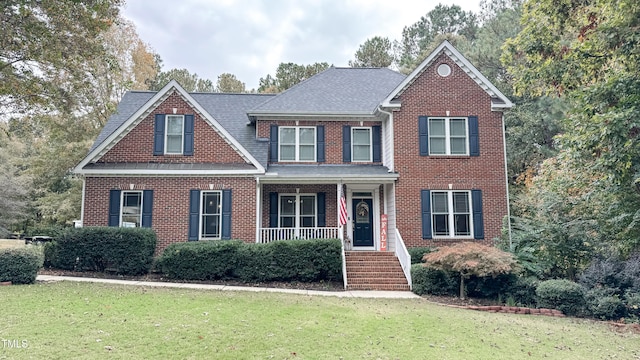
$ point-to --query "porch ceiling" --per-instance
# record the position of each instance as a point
(328, 173)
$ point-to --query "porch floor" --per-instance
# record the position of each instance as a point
(374, 270)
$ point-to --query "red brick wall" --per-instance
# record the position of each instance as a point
(431, 95)
(137, 145)
(332, 135)
(170, 218)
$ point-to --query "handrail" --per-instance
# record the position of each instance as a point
(403, 256)
(268, 235)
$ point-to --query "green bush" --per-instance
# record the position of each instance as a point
(199, 260)
(417, 253)
(20, 265)
(522, 289)
(291, 260)
(50, 251)
(564, 295)
(127, 251)
(632, 302)
(433, 282)
(604, 304)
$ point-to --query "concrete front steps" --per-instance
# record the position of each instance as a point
(374, 270)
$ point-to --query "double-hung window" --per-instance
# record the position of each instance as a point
(297, 143)
(361, 144)
(210, 214)
(298, 211)
(451, 213)
(448, 136)
(174, 135)
(131, 209)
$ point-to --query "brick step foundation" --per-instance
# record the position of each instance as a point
(371, 270)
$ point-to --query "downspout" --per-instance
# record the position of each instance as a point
(506, 178)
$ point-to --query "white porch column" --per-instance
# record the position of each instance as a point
(338, 197)
(258, 209)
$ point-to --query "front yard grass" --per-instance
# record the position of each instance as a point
(87, 320)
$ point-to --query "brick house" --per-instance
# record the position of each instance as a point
(421, 156)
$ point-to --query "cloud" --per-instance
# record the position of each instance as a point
(250, 38)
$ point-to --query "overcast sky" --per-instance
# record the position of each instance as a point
(250, 38)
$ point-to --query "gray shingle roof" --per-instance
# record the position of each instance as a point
(335, 91)
(347, 171)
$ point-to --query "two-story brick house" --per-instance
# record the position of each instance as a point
(421, 156)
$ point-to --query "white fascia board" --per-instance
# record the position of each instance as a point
(146, 107)
(457, 57)
(141, 172)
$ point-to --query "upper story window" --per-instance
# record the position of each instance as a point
(448, 136)
(361, 144)
(173, 134)
(297, 143)
(131, 209)
(174, 142)
(454, 136)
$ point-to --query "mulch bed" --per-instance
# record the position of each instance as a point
(155, 277)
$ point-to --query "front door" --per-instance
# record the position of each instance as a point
(363, 222)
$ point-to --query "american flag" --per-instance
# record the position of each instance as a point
(343, 209)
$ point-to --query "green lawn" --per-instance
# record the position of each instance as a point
(85, 320)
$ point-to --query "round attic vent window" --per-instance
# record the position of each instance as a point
(444, 70)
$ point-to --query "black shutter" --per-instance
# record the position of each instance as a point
(273, 145)
(147, 208)
(423, 133)
(322, 209)
(158, 135)
(320, 143)
(474, 143)
(478, 223)
(114, 207)
(194, 214)
(346, 143)
(188, 135)
(377, 140)
(425, 205)
(273, 209)
(226, 214)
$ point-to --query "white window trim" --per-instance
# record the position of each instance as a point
(447, 135)
(370, 143)
(297, 143)
(166, 134)
(122, 205)
(452, 230)
(297, 208)
(201, 218)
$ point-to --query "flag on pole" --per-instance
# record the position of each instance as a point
(343, 209)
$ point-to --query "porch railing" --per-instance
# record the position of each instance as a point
(403, 256)
(268, 235)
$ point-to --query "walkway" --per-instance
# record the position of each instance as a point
(344, 294)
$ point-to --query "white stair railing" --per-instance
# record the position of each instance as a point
(403, 256)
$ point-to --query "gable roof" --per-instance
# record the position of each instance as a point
(498, 99)
(335, 91)
(227, 117)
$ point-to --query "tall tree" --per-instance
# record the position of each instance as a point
(443, 19)
(228, 83)
(288, 75)
(13, 182)
(44, 40)
(190, 82)
(588, 53)
(374, 52)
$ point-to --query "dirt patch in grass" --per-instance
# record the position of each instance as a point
(321, 286)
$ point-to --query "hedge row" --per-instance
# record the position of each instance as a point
(20, 265)
(292, 260)
(127, 251)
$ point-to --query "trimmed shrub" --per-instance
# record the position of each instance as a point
(127, 251)
(50, 251)
(604, 304)
(632, 302)
(564, 295)
(433, 282)
(20, 265)
(417, 253)
(523, 290)
(199, 260)
(291, 260)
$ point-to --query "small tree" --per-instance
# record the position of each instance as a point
(469, 259)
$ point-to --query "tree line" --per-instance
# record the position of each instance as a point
(571, 68)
